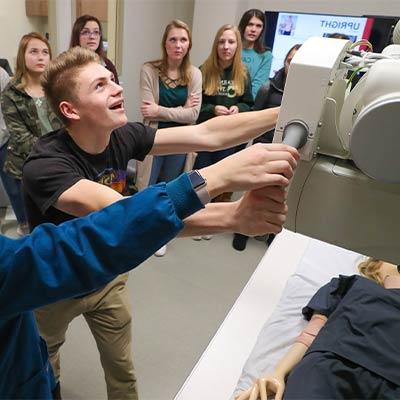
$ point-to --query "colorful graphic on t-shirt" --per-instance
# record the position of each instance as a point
(115, 179)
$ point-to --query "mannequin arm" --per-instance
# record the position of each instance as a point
(274, 383)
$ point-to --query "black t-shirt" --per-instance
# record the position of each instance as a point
(56, 163)
(363, 324)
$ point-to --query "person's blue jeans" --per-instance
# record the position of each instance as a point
(207, 158)
(13, 188)
(166, 168)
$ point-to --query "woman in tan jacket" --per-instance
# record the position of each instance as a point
(171, 96)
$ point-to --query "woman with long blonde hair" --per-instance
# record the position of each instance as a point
(26, 111)
(226, 85)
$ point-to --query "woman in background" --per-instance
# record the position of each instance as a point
(10, 186)
(255, 55)
(271, 93)
(87, 32)
(26, 113)
(171, 96)
(226, 86)
(269, 96)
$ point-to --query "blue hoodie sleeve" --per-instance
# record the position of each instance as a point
(57, 262)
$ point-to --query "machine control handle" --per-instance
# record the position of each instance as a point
(295, 134)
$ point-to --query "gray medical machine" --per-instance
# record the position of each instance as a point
(346, 190)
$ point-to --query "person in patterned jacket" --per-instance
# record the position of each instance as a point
(26, 112)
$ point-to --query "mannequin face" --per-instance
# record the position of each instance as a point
(387, 269)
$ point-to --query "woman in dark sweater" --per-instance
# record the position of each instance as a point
(269, 95)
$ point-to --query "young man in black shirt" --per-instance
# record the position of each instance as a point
(82, 168)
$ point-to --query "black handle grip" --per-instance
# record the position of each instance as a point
(295, 134)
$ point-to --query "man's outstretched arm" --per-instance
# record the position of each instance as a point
(216, 133)
(259, 166)
(253, 168)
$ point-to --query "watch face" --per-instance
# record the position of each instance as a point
(196, 179)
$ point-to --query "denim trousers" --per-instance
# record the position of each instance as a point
(13, 188)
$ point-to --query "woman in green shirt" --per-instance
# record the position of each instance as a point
(171, 96)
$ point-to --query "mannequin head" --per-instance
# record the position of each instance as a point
(377, 270)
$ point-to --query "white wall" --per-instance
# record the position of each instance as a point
(13, 24)
(144, 24)
(209, 16)
(61, 19)
(145, 20)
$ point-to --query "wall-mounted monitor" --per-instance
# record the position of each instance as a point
(284, 29)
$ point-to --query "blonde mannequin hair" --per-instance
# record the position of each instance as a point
(370, 269)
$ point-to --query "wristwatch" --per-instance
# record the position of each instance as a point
(200, 186)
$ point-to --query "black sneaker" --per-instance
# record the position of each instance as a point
(271, 237)
(239, 241)
(57, 392)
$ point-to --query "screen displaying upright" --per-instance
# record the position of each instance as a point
(286, 29)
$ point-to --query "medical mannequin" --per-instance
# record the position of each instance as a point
(349, 349)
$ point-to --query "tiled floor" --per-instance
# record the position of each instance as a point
(179, 301)
(8, 223)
